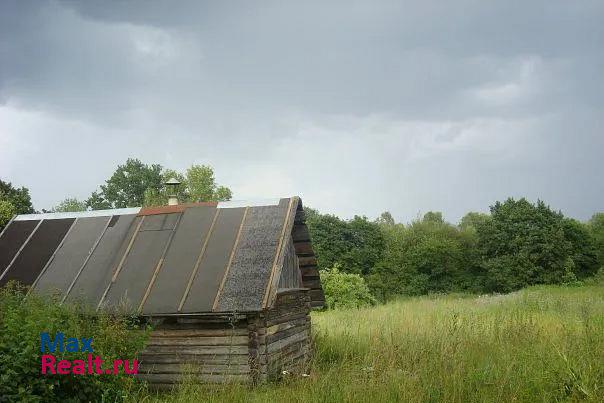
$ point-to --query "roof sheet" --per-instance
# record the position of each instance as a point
(184, 259)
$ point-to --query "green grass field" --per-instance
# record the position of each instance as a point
(542, 344)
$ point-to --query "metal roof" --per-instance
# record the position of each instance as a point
(183, 259)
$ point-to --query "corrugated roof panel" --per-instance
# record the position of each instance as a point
(141, 261)
(28, 264)
(96, 274)
(70, 256)
(186, 247)
(214, 262)
(13, 237)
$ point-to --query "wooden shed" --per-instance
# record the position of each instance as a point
(227, 286)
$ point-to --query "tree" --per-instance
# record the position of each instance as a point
(473, 220)
(385, 219)
(525, 244)
(18, 197)
(202, 186)
(7, 211)
(197, 185)
(429, 255)
(357, 244)
(127, 186)
(596, 228)
(70, 204)
(96, 201)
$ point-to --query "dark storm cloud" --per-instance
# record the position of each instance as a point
(406, 106)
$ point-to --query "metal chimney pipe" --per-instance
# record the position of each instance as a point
(172, 186)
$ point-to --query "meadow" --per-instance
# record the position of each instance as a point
(540, 344)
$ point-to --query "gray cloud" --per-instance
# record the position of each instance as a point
(359, 107)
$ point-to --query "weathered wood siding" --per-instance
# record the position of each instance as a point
(205, 350)
(291, 277)
(250, 348)
(284, 341)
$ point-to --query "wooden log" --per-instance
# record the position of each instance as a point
(202, 350)
(303, 248)
(286, 333)
(304, 261)
(198, 332)
(201, 359)
(309, 271)
(277, 345)
(286, 325)
(300, 233)
(286, 318)
(199, 341)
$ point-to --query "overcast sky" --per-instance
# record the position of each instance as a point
(358, 107)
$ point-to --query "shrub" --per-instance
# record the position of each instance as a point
(345, 290)
(22, 319)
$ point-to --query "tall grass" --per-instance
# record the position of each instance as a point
(541, 344)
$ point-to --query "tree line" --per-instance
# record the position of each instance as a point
(517, 244)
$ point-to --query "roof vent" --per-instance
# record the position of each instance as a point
(172, 186)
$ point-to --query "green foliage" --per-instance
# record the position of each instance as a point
(472, 220)
(525, 244)
(7, 211)
(596, 228)
(18, 197)
(21, 322)
(71, 204)
(202, 186)
(428, 256)
(127, 186)
(357, 245)
(345, 290)
(385, 219)
(197, 185)
(137, 184)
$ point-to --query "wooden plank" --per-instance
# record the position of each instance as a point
(285, 326)
(309, 271)
(305, 261)
(300, 233)
(277, 345)
(286, 333)
(199, 333)
(285, 318)
(303, 248)
(202, 350)
(199, 359)
(199, 341)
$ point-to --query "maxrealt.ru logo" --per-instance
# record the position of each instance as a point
(91, 365)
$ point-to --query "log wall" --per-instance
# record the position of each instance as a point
(284, 338)
(246, 348)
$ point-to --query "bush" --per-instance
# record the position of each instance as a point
(22, 319)
(345, 290)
